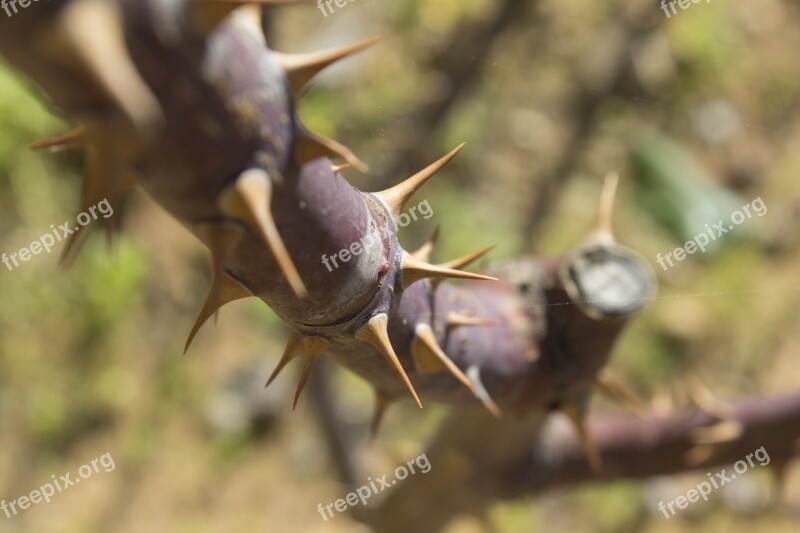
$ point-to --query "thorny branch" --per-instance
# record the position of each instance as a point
(187, 100)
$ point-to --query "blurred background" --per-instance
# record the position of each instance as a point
(698, 112)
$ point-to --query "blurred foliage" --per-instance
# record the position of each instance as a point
(679, 195)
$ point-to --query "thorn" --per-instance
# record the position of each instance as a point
(95, 188)
(73, 138)
(779, 474)
(698, 455)
(467, 259)
(429, 357)
(413, 270)
(608, 385)
(704, 399)
(425, 251)
(460, 263)
(101, 182)
(104, 53)
(313, 348)
(662, 403)
(301, 68)
(228, 291)
(72, 249)
(578, 418)
(338, 168)
(382, 403)
(309, 146)
(396, 197)
(603, 230)
(249, 199)
(222, 292)
(210, 13)
(719, 433)
(375, 333)
(457, 319)
(221, 240)
(474, 375)
(294, 348)
(484, 522)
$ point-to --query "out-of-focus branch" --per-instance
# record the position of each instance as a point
(224, 152)
(477, 460)
(460, 62)
(623, 34)
(469, 450)
(637, 449)
(326, 413)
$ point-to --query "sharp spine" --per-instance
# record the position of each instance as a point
(461, 262)
(248, 199)
(698, 455)
(611, 387)
(414, 270)
(221, 241)
(720, 433)
(603, 230)
(230, 291)
(779, 472)
(426, 250)
(474, 375)
(76, 137)
(313, 347)
(429, 356)
(705, 400)
(294, 348)
(102, 181)
(396, 197)
(309, 147)
(375, 333)
(577, 416)
(467, 260)
(457, 319)
(300, 69)
(104, 54)
(382, 404)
